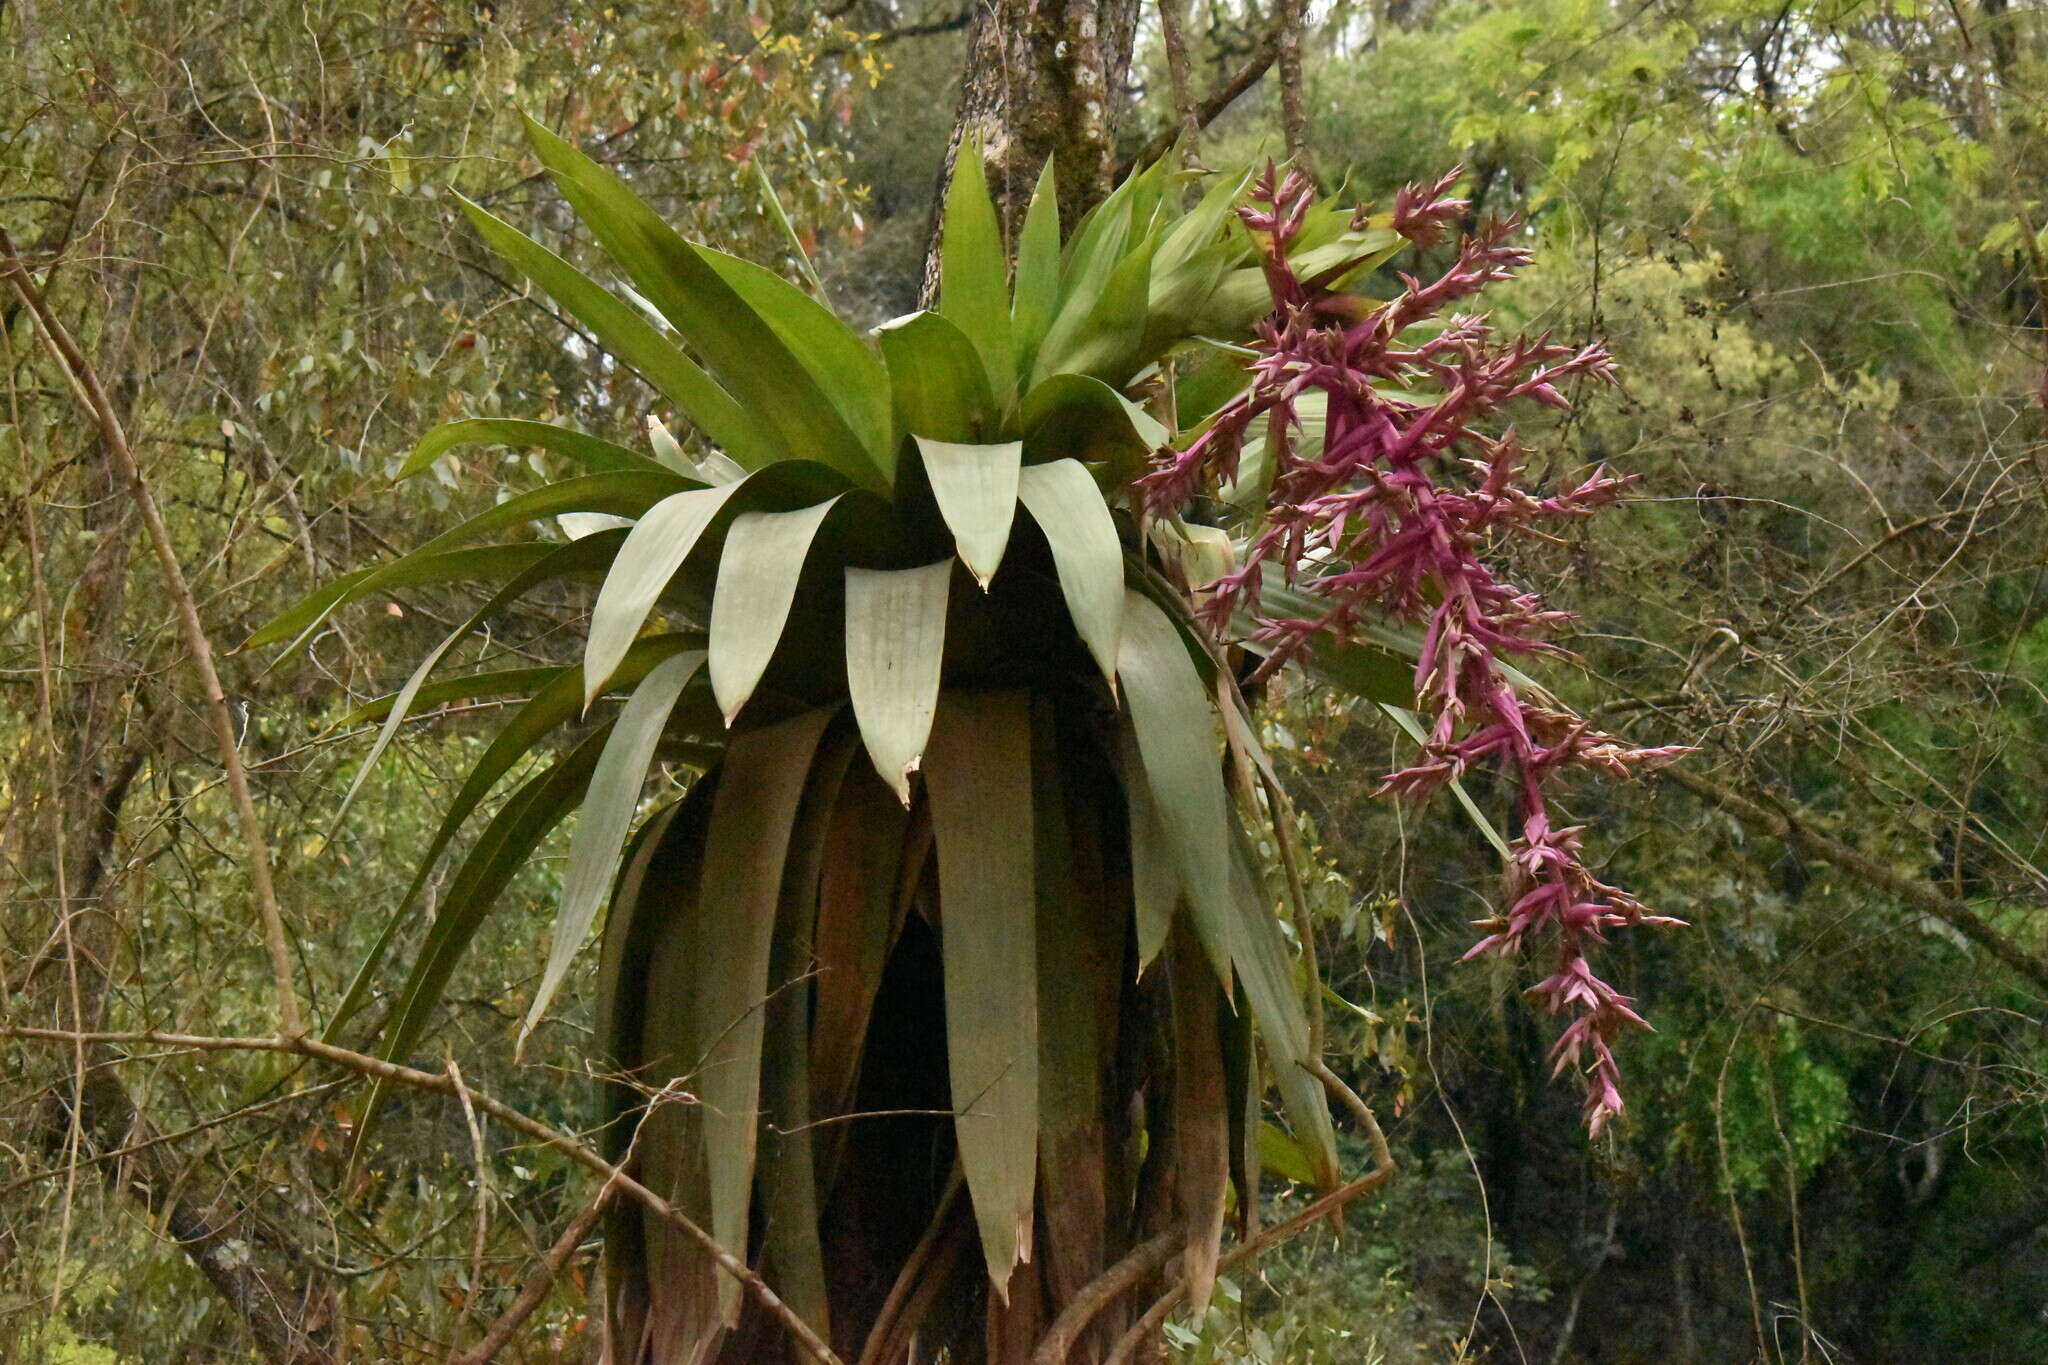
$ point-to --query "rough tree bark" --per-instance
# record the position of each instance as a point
(1045, 81)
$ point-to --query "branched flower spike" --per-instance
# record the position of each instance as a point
(1389, 517)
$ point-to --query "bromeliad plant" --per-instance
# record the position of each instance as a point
(951, 982)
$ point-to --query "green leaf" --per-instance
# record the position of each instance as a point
(500, 851)
(895, 642)
(774, 389)
(582, 555)
(1189, 264)
(594, 454)
(788, 1180)
(832, 353)
(1176, 729)
(941, 389)
(1193, 237)
(608, 810)
(745, 849)
(1063, 499)
(620, 493)
(1074, 416)
(509, 682)
(420, 570)
(1155, 875)
(976, 489)
(1037, 296)
(1282, 1155)
(757, 581)
(781, 217)
(978, 776)
(621, 330)
(973, 273)
(1106, 341)
(1336, 263)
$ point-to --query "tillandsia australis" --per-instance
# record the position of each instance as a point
(1391, 516)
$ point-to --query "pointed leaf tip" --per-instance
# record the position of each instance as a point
(976, 489)
(757, 582)
(895, 641)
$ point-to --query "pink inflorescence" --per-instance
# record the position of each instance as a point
(1390, 519)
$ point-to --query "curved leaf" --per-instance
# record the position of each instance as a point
(550, 706)
(774, 389)
(745, 849)
(621, 330)
(595, 454)
(1177, 740)
(941, 388)
(976, 489)
(454, 566)
(588, 553)
(757, 581)
(500, 851)
(978, 776)
(608, 810)
(621, 492)
(973, 273)
(1063, 499)
(895, 643)
(1079, 417)
(667, 536)
(508, 682)
(652, 552)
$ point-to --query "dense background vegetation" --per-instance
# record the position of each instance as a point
(1810, 231)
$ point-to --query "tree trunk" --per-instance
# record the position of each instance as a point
(1045, 81)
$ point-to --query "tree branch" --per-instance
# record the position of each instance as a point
(442, 1083)
(543, 1279)
(94, 395)
(1219, 99)
(1793, 825)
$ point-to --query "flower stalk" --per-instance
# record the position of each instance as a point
(1393, 515)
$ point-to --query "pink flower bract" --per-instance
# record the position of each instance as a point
(1391, 516)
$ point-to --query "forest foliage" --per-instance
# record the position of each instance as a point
(1811, 232)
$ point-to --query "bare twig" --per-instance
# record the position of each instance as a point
(441, 1083)
(482, 1160)
(535, 1291)
(1217, 100)
(93, 394)
(1330, 1203)
(1791, 825)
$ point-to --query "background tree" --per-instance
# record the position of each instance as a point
(1810, 236)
